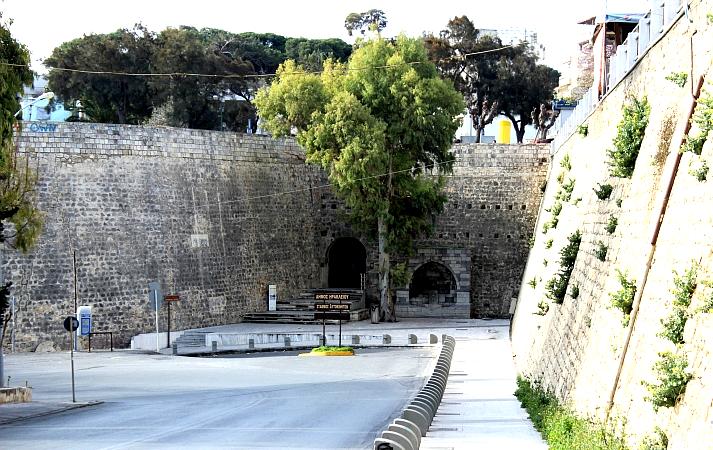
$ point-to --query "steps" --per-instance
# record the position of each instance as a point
(300, 310)
(192, 338)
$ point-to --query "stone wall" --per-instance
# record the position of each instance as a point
(574, 350)
(216, 217)
(493, 197)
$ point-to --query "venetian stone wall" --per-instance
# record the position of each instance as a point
(214, 217)
(574, 350)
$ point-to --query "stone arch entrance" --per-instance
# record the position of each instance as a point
(346, 261)
(433, 283)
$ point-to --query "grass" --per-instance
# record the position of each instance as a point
(559, 426)
(324, 349)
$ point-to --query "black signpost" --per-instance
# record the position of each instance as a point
(71, 324)
(328, 308)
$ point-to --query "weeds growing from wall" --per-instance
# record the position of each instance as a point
(698, 169)
(542, 308)
(678, 78)
(548, 243)
(684, 287)
(630, 134)
(612, 224)
(559, 426)
(574, 292)
(655, 441)
(556, 288)
(583, 130)
(601, 251)
(702, 122)
(672, 376)
(565, 192)
(603, 191)
(623, 299)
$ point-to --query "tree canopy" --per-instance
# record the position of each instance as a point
(493, 78)
(20, 220)
(382, 127)
(179, 100)
(374, 20)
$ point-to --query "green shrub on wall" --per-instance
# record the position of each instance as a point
(656, 441)
(630, 134)
(612, 224)
(673, 376)
(684, 287)
(623, 299)
(678, 78)
(556, 288)
(603, 191)
(601, 251)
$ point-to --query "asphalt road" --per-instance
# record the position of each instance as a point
(277, 401)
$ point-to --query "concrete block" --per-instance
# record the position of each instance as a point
(287, 341)
(409, 433)
(418, 418)
(412, 339)
(411, 426)
(251, 344)
(355, 339)
(433, 339)
(387, 339)
(399, 438)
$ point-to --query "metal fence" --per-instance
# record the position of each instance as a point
(646, 33)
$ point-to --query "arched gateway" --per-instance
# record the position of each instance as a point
(346, 261)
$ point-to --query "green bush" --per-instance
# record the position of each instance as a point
(684, 287)
(548, 243)
(657, 441)
(678, 78)
(533, 283)
(566, 162)
(601, 251)
(565, 192)
(670, 371)
(542, 308)
(560, 427)
(630, 134)
(583, 130)
(556, 288)
(612, 224)
(699, 170)
(574, 292)
(623, 299)
(603, 191)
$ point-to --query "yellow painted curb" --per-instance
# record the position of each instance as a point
(327, 354)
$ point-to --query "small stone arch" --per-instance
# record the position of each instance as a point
(346, 262)
(433, 283)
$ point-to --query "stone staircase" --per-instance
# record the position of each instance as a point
(191, 339)
(300, 310)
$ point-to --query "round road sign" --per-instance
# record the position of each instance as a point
(71, 323)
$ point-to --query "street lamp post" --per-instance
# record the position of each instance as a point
(44, 96)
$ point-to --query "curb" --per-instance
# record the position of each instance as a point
(50, 412)
(405, 433)
(327, 354)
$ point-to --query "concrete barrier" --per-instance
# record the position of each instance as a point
(411, 426)
(355, 339)
(433, 339)
(287, 342)
(412, 339)
(408, 433)
(398, 438)
(387, 444)
(418, 418)
(387, 339)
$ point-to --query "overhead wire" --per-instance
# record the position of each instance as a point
(248, 76)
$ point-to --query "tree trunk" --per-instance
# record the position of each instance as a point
(387, 307)
(478, 133)
(519, 126)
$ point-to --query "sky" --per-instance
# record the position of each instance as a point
(43, 25)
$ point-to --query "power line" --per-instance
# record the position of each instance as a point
(323, 186)
(248, 76)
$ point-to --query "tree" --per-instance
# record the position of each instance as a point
(543, 118)
(382, 127)
(196, 101)
(523, 85)
(465, 56)
(311, 53)
(372, 20)
(20, 220)
(108, 98)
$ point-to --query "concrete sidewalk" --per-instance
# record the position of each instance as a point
(14, 412)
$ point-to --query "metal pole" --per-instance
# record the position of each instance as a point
(14, 323)
(340, 324)
(155, 299)
(71, 358)
(168, 339)
(324, 334)
(74, 268)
